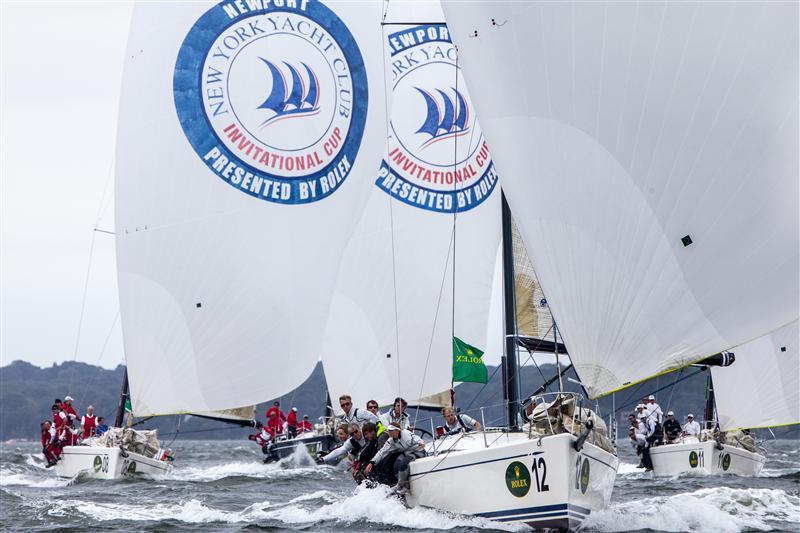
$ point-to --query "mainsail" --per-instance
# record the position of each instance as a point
(392, 318)
(762, 386)
(229, 235)
(650, 158)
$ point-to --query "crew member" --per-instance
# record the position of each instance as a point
(654, 410)
(691, 427)
(59, 417)
(352, 445)
(672, 428)
(401, 448)
(89, 423)
(102, 427)
(50, 448)
(397, 415)
(639, 444)
(304, 425)
(368, 451)
(291, 422)
(372, 407)
(276, 408)
(353, 415)
(455, 423)
(70, 411)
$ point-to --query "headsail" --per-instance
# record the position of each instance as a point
(762, 386)
(229, 235)
(650, 158)
(390, 331)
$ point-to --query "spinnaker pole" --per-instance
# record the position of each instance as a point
(123, 398)
(510, 374)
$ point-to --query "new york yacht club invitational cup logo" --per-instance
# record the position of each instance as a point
(437, 157)
(272, 95)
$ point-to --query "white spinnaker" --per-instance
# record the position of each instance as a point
(390, 330)
(224, 295)
(619, 128)
(762, 387)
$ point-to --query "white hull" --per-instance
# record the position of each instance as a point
(540, 482)
(107, 463)
(705, 459)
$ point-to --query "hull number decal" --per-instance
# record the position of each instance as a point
(540, 473)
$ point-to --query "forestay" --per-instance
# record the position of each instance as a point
(391, 322)
(248, 137)
(762, 387)
(649, 153)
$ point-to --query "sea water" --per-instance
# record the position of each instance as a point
(224, 486)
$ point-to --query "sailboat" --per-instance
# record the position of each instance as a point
(767, 368)
(651, 161)
(232, 211)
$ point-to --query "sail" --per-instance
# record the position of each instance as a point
(762, 386)
(392, 319)
(241, 414)
(649, 152)
(232, 215)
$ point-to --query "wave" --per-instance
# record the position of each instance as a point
(721, 509)
(10, 477)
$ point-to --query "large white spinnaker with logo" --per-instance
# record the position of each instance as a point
(391, 324)
(249, 137)
(762, 386)
(649, 152)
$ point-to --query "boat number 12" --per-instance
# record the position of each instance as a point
(540, 473)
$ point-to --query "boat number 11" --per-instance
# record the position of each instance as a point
(540, 473)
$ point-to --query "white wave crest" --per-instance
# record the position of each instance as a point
(377, 506)
(630, 469)
(15, 478)
(720, 509)
(192, 511)
(251, 469)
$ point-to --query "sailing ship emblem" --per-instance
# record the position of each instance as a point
(297, 99)
(449, 121)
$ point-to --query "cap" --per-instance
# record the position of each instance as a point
(393, 427)
(294, 409)
(68, 398)
(690, 415)
(640, 406)
(305, 416)
(670, 413)
(651, 397)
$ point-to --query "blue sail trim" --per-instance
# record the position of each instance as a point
(453, 121)
(431, 124)
(276, 101)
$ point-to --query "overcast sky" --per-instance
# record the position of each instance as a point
(61, 75)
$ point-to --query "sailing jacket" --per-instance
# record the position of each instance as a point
(691, 428)
(71, 413)
(407, 443)
(672, 428)
(389, 417)
(88, 423)
(359, 417)
(48, 437)
(351, 445)
(463, 422)
(291, 419)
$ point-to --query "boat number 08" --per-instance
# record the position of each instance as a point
(539, 469)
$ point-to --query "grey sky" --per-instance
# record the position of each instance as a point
(61, 74)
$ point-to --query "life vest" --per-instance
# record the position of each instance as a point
(47, 437)
(89, 424)
(291, 419)
(59, 420)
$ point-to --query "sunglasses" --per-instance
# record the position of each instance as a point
(372, 407)
(353, 433)
(345, 403)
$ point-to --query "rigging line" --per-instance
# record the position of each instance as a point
(390, 199)
(455, 214)
(99, 357)
(83, 299)
(498, 367)
(103, 205)
(433, 331)
(672, 390)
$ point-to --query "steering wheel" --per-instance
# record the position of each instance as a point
(423, 432)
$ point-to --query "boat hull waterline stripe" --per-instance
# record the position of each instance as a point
(435, 470)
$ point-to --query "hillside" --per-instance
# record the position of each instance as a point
(27, 392)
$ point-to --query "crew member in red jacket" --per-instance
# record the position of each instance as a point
(274, 423)
(50, 448)
(304, 425)
(291, 423)
(89, 423)
(70, 411)
(276, 408)
(59, 417)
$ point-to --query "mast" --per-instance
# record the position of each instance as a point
(708, 413)
(510, 378)
(123, 398)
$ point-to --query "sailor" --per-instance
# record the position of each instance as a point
(654, 410)
(352, 445)
(304, 425)
(70, 411)
(353, 415)
(372, 407)
(59, 417)
(342, 437)
(291, 422)
(274, 422)
(89, 423)
(691, 427)
(639, 444)
(398, 452)
(276, 408)
(641, 412)
(50, 448)
(102, 427)
(262, 438)
(397, 415)
(370, 448)
(672, 428)
(635, 424)
(456, 423)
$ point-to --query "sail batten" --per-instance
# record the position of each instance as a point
(651, 162)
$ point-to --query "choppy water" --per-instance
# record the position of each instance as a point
(219, 485)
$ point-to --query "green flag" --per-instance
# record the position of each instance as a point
(468, 363)
(128, 408)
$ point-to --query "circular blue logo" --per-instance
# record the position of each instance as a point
(273, 99)
(437, 157)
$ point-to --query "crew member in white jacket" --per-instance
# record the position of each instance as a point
(406, 446)
(354, 415)
(691, 427)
